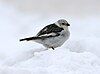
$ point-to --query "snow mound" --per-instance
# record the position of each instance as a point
(59, 61)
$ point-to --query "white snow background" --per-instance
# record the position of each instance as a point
(79, 55)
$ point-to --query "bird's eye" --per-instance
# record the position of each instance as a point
(63, 23)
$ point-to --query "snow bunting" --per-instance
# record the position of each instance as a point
(53, 35)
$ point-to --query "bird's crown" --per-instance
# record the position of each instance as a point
(63, 22)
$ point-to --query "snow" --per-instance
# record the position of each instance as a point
(79, 55)
(58, 61)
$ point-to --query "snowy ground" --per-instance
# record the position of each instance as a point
(79, 55)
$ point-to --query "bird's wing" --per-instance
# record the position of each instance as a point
(50, 30)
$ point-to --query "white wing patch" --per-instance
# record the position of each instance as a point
(50, 34)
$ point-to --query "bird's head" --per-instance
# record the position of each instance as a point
(62, 23)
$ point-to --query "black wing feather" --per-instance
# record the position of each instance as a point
(52, 28)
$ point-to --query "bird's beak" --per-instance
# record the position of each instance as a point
(68, 24)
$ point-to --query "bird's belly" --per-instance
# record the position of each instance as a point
(56, 41)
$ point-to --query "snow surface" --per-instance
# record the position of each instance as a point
(59, 61)
(79, 55)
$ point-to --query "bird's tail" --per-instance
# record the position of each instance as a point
(29, 39)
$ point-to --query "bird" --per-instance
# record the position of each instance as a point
(53, 35)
